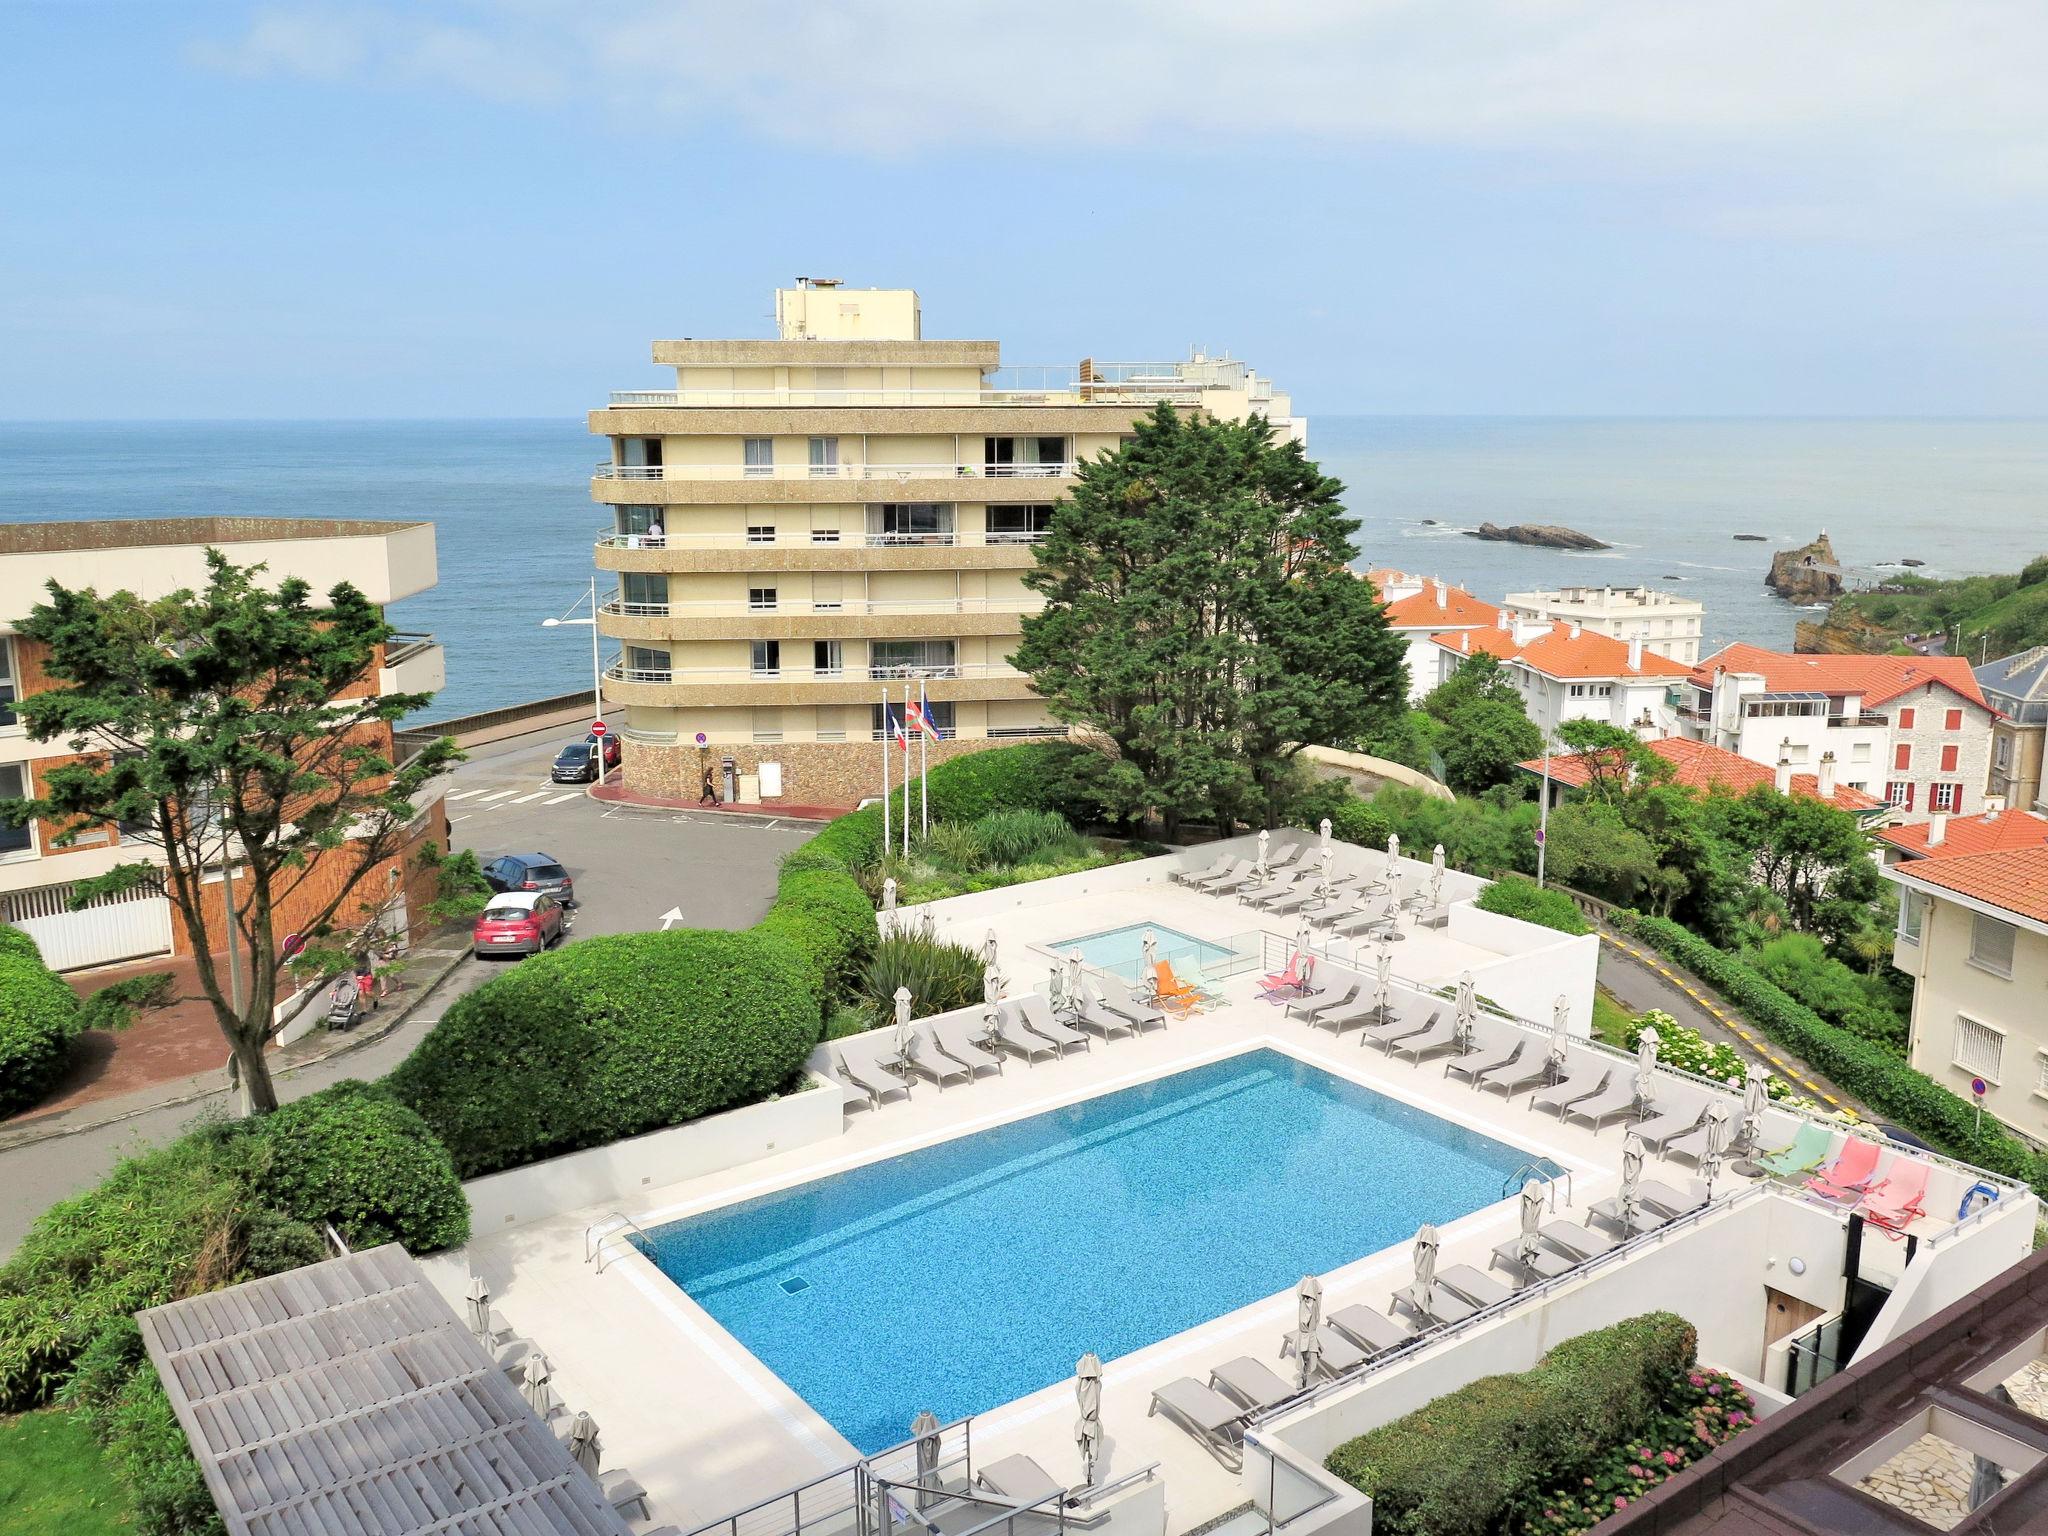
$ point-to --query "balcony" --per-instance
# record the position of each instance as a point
(616, 607)
(1865, 718)
(606, 470)
(413, 663)
(818, 538)
(619, 672)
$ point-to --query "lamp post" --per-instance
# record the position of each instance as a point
(596, 666)
(1543, 812)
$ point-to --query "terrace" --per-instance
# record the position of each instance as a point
(1769, 1275)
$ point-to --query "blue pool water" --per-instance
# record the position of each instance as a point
(964, 1275)
(1121, 951)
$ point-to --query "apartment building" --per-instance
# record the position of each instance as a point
(804, 527)
(153, 558)
(1915, 731)
(1668, 625)
(1944, 837)
(1973, 935)
(1698, 766)
(1419, 608)
(2017, 687)
(1564, 671)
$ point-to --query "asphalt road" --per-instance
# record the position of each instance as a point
(630, 866)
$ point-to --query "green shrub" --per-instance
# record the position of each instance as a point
(353, 1157)
(1028, 837)
(610, 1037)
(941, 976)
(1461, 1464)
(149, 1452)
(114, 1006)
(1511, 896)
(1355, 821)
(1797, 963)
(954, 845)
(1862, 1069)
(824, 913)
(14, 941)
(852, 841)
(38, 1021)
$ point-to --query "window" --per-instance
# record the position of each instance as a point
(911, 522)
(643, 591)
(824, 457)
(767, 725)
(1991, 944)
(906, 658)
(760, 533)
(761, 599)
(1905, 719)
(15, 842)
(1578, 690)
(8, 690)
(1944, 797)
(1949, 758)
(1902, 758)
(826, 659)
(1978, 1048)
(760, 456)
(641, 453)
(1899, 792)
(1024, 455)
(1019, 524)
(885, 720)
(2041, 1075)
(1859, 752)
(646, 666)
(1912, 916)
(1953, 720)
(636, 520)
(827, 593)
(2001, 753)
(767, 658)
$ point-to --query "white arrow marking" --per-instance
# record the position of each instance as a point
(670, 918)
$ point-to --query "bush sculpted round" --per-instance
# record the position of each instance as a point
(38, 1021)
(353, 1157)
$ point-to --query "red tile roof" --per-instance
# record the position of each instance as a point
(1557, 652)
(1700, 765)
(2013, 879)
(1459, 610)
(1877, 678)
(1972, 834)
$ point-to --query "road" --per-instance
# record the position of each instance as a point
(630, 867)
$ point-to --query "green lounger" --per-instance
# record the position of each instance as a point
(1809, 1149)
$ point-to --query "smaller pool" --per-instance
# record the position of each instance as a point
(1121, 951)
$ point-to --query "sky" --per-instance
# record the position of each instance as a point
(490, 208)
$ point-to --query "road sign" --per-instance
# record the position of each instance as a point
(1979, 1087)
(293, 943)
(702, 739)
(598, 727)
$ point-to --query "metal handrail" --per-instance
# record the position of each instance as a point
(958, 470)
(598, 1232)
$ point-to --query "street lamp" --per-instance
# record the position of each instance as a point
(596, 667)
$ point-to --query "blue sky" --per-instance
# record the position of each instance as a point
(490, 207)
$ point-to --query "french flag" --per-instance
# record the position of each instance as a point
(902, 735)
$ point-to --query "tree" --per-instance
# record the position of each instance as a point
(1812, 855)
(1483, 740)
(233, 726)
(1199, 612)
(1616, 760)
(1479, 676)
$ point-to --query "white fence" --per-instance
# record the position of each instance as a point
(133, 926)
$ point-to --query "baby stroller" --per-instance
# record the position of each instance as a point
(343, 1003)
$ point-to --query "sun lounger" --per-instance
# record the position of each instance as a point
(1206, 1414)
(851, 1096)
(1207, 872)
(869, 1075)
(1690, 1145)
(1851, 1173)
(1393, 1034)
(1338, 1354)
(1899, 1197)
(1303, 893)
(1429, 1043)
(1587, 1081)
(1378, 1031)
(1020, 1480)
(1678, 1119)
(511, 1358)
(1369, 1328)
(1807, 1150)
(1608, 1212)
(954, 1039)
(1292, 982)
(1006, 1031)
(1035, 1015)
(1243, 875)
(1477, 1287)
(1121, 1000)
(1334, 903)
(1445, 1305)
(622, 1492)
(1573, 1240)
(926, 1060)
(1541, 1264)
(1656, 1197)
(1250, 1382)
(1534, 1070)
(1618, 1102)
(1488, 1058)
(1317, 1004)
(1361, 920)
(1272, 890)
(1091, 1015)
(1171, 993)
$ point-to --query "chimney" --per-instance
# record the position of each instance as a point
(1443, 594)
(1465, 641)
(1635, 654)
(1827, 775)
(1781, 780)
(1574, 630)
(1504, 620)
(1993, 804)
(1937, 829)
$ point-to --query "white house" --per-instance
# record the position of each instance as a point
(1420, 608)
(1566, 672)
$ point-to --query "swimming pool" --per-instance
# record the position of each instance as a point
(966, 1274)
(1121, 951)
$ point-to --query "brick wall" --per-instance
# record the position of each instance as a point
(813, 772)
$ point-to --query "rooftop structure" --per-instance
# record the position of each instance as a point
(1421, 607)
(1696, 765)
(1946, 836)
(804, 526)
(1668, 624)
(2017, 687)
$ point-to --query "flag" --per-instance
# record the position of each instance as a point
(919, 718)
(902, 735)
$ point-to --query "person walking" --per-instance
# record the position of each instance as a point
(368, 987)
(709, 791)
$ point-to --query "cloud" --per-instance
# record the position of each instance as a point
(1881, 95)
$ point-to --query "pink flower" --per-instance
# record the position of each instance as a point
(1713, 1391)
(1671, 1458)
(1737, 1416)
(1697, 1379)
(1620, 1502)
(1644, 1453)
(1589, 1482)
(1637, 1472)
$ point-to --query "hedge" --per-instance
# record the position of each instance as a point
(1459, 1465)
(823, 912)
(354, 1157)
(610, 1037)
(1863, 1069)
(15, 941)
(38, 1021)
(1512, 896)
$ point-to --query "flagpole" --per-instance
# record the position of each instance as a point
(924, 762)
(905, 727)
(887, 840)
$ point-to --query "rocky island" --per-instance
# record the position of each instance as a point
(1543, 535)
(1809, 574)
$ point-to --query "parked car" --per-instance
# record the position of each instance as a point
(518, 923)
(575, 764)
(611, 748)
(532, 872)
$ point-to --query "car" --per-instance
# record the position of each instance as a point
(531, 872)
(575, 764)
(611, 748)
(518, 923)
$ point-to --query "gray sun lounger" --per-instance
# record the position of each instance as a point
(1573, 1240)
(1122, 1001)
(1302, 894)
(1369, 1328)
(1242, 874)
(1656, 1196)
(1337, 904)
(1338, 1353)
(1206, 1414)
(1033, 1012)
(1542, 1264)
(1208, 872)
(1660, 1130)
(1005, 1030)
(954, 1039)
(1608, 1212)
(1477, 1287)
(1316, 1004)
(1092, 1015)
(1583, 1084)
(1251, 1383)
(851, 1095)
(1361, 921)
(1445, 1305)
(1428, 1043)
(1259, 895)
(1359, 1010)
(1406, 1029)
(869, 1075)
(1487, 1059)
(927, 1060)
(1531, 1071)
(1616, 1102)
(1020, 1480)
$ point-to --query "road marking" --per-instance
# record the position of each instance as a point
(523, 799)
(574, 794)
(463, 817)
(462, 794)
(501, 794)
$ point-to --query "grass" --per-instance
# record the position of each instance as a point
(1611, 1021)
(52, 1480)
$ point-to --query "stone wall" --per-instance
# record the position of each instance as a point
(813, 772)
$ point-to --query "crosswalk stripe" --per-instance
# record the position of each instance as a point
(501, 794)
(573, 794)
(463, 794)
(534, 796)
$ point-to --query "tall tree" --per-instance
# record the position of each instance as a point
(1200, 613)
(1486, 730)
(230, 728)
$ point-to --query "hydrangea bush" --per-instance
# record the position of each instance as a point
(1687, 1050)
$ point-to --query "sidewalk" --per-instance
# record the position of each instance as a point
(618, 794)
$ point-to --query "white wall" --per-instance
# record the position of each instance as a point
(1538, 965)
(1944, 1272)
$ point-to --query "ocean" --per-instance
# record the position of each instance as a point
(515, 522)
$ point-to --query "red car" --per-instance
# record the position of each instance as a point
(518, 923)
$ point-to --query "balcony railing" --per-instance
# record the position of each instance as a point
(1864, 718)
(405, 644)
(797, 607)
(605, 470)
(618, 672)
(816, 538)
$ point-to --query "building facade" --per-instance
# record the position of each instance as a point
(152, 558)
(1973, 935)
(1566, 672)
(804, 527)
(1419, 608)
(1668, 625)
(2017, 687)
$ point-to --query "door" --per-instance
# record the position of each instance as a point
(1785, 1315)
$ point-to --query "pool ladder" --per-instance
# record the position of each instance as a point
(598, 1233)
(1544, 1172)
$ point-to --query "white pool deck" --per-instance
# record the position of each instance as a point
(708, 1429)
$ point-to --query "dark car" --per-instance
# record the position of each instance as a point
(575, 764)
(531, 872)
(518, 923)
